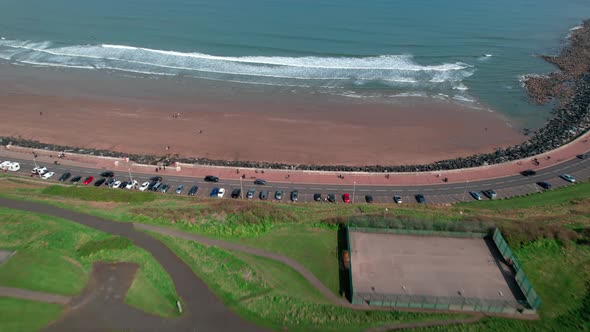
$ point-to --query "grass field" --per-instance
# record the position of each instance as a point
(26, 316)
(272, 295)
(56, 256)
(542, 229)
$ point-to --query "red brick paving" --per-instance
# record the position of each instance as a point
(564, 153)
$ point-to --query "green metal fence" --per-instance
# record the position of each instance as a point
(447, 303)
(533, 299)
(436, 302)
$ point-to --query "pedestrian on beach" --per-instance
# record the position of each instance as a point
(40, 113)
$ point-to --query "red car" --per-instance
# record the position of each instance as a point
(88, 180)
(346, 198)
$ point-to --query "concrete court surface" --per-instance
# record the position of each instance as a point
(427, 265)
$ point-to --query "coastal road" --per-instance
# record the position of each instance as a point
(505, 187)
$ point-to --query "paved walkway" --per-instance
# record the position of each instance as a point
(564, 153)
(33, 295)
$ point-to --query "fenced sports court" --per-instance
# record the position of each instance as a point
(436, 270)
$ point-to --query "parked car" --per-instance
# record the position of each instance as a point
(582, 156)
(331, 198)
(211, 178)
(123, 185)
(317, 197)
(236, 193)
(279, 195)
(263, 195)
(88, 180)
(294, 196)
(193, 191)
(107, 174)
(75, 179)
(369, 198)
(151, 185)
(179, 189)
(116, 184)
(260, 182)
(40, 170)
(65, 176)
(10, 166)
(568, 178)
(132, 185)
(214, 192)
(491, 194)
(144, 186)
(164, 188)
(397, 199)
(99, 182)
(250, 194)
(346, 198)
(475, 195)
(48, 175)
(109, 182)
(157, 186)
(420, 199)
(544, 185)
(528, 172)
(221, 192)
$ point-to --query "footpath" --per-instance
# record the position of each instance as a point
(569, 151)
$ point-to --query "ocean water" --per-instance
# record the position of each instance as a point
(473, 52)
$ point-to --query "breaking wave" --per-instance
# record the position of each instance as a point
(387, 70)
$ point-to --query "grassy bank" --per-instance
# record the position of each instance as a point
(273, 295)
(26, 316)
(56, 256)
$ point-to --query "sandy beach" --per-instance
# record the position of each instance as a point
(221, 121)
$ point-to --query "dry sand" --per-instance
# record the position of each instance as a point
(129, 115)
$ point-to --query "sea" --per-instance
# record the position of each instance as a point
(473, 52)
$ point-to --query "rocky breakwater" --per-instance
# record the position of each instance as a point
(568, 89)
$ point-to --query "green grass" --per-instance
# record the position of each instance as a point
(561, 276)
(546, 198)
(313, 247)
(56, 256)
(99, 194)
(26, 316)
(47, 271)
(272, 295)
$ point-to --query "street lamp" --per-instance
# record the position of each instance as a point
(241, 189)
(353, 191)
(385, 212)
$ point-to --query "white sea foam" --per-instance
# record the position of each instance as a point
(274, 70)
(463, 98)
(460, 87)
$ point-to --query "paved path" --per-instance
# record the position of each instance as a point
(442, 193)
(550, 158)
(33, 295)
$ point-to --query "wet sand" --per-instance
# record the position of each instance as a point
(126, 115)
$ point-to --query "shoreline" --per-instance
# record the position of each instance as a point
(571, 120)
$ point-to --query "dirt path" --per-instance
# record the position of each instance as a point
(34, 296)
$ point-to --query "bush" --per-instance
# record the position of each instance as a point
(111, 243)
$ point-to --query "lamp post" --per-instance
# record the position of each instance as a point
(241, 189)
(465, 191)
(385, 212)
(353, 191)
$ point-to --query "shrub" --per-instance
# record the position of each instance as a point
(111, 243)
